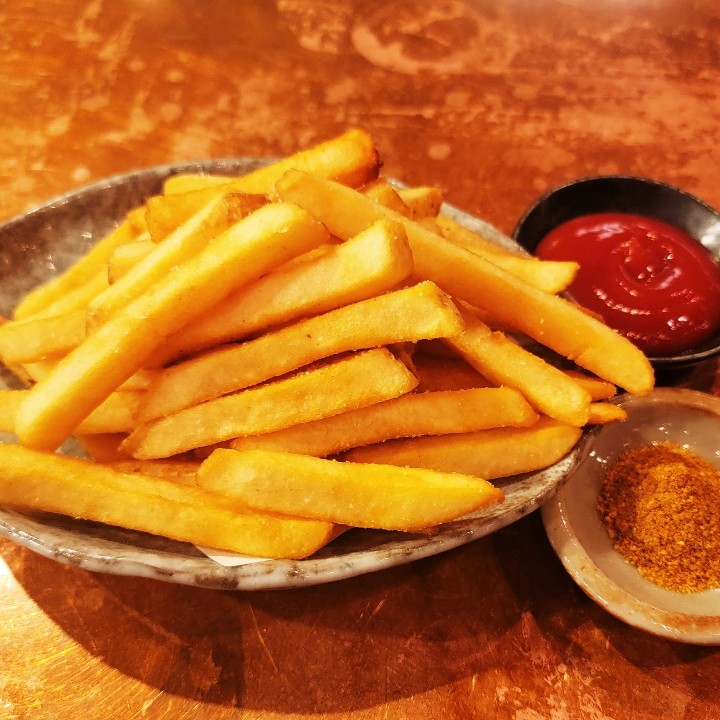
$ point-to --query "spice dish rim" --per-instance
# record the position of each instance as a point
(580, 540)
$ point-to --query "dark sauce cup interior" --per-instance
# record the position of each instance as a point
(639, 196)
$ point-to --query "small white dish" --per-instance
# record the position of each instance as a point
(578, 536)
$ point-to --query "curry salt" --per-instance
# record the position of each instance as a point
(660, 504)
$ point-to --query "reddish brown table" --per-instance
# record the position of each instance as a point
(493, 102)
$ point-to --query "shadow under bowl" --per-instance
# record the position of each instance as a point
(638, 196)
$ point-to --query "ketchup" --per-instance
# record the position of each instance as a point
(649, 280)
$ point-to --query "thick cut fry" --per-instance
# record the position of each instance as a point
(117, 414)
(422, 202)
(549, 319)
(185, 242)
(368, 496)
(491, 454)
(504, 362)
(27, 341)
(412, 415)
(75, 299)
(602, 413)
(598, 389)
(181, 471)
(548, 275)
(10, 401)
(125, 257)
(445, 373)
(350, 158)
(415, 313)
(87, 267)
(382, 192)
(136, 218)
(103, 447)
(35, 481)
(166, 213)
(57, 404)
(367, 265)
(341, 385)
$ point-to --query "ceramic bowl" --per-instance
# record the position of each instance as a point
(45, 240)
(640, 196)
(578, 535)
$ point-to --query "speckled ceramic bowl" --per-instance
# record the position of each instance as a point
(640, 196)
(46, 240)
(576, 532)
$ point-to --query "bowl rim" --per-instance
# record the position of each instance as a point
(637, 179)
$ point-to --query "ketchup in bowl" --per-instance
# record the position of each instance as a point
(650, 281)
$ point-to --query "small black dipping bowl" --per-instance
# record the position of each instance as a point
(639, 196)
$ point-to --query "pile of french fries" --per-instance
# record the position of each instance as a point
(255, 362)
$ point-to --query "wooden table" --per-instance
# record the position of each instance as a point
(495, 102)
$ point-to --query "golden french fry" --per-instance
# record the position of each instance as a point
(89, 266)
(504, 362)
(368, 496)
(414, 313)
(382, 192)
(166, 213)
(491, 454)
(180, 471)
(602, 413)
(422, 202)
(446, 373)
(350, 158)
(548, 275)
(39, 338)
(547, 318)
(412, 415)
(125, 257)
(34, 480)
(140, 380)
(598, 389)
(103, 447)
(9, 403)
(116, 414)
(345, 384)
(182, 244)
(80, 382)
(371, 263)
(75, 299)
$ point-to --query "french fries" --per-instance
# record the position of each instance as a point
(164, 214)
(411, 415)
(27, 341)
(490, 454)
(416, 313)
(374, 261)
(56, 405)
(504, 362)
(547, 318)
(254, 362)
(180, 245)
(331, 388)
(350, 158)
(81, 489)
(90, 266)
(548, 275)
(371, 496)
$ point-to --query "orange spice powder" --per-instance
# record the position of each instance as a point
(660, 504)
